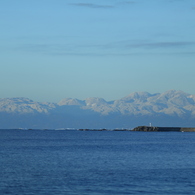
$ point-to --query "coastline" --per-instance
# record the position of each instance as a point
(164, 129)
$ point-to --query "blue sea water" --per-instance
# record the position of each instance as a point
(102, 162)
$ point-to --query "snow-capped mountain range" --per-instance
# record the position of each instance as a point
(169, 108)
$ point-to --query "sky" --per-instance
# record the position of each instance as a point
(55, 49)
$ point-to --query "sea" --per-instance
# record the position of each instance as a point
(72, 162)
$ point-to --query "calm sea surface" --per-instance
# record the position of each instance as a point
(96, 163)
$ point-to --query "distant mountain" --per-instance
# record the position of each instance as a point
(171, 108)
(24, 106)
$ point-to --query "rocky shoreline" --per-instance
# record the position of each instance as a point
(164, 129)
(148, 129)
(139, 128)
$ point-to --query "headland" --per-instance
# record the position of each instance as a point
(164, 129)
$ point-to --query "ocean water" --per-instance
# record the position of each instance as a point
(96, 163)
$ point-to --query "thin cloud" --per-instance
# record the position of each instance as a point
(160, 44)
(47, 48)
(91, 5)
(147, 45)
(112, 49)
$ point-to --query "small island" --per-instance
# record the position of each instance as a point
(164, 129)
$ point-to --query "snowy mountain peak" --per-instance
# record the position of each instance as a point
(95, 101)
(137, 96)
(70, 101)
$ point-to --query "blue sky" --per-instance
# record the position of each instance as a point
(55, 49)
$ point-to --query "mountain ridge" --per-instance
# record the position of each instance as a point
(174, 107)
